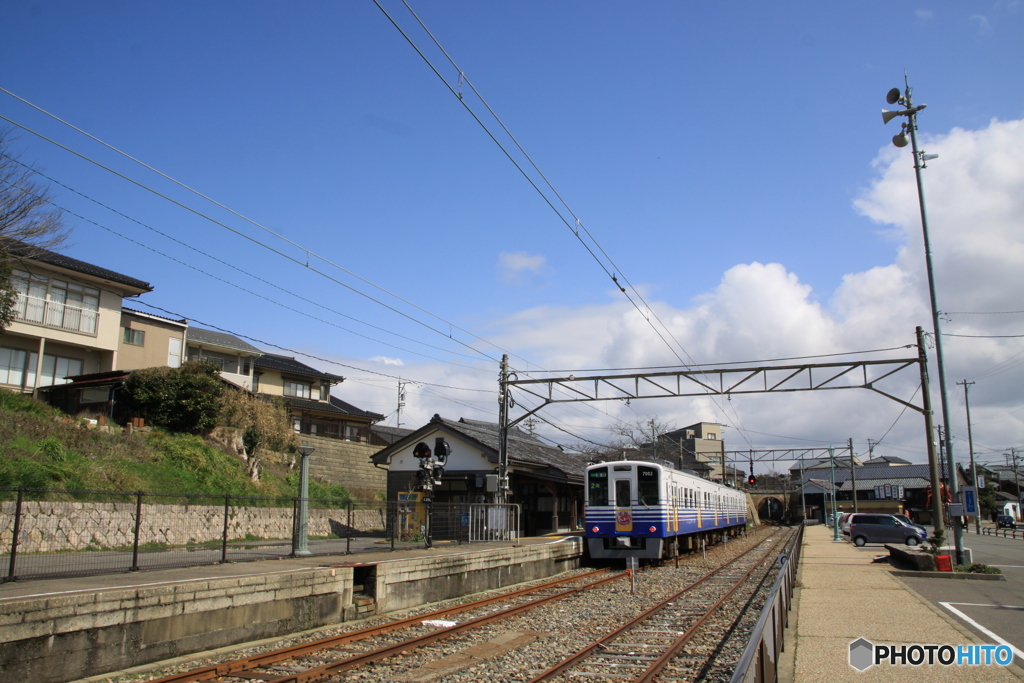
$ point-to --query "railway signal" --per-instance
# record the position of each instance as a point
(752, 480)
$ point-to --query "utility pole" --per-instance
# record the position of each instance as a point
(970, 445)
(871, 449)
(803, 501)
(853, 477)
(933, 464)
(503, 431)
(1011, 459)
(401, 401)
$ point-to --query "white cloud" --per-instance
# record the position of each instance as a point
(520, 267)
(760, 311)
(387, 361)
(981, 24)
(923, 14)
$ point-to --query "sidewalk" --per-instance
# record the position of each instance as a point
(842, 595)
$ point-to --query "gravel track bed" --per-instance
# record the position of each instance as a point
(562, 627)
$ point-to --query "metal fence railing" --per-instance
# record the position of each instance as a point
(759, 662)
(51, 532)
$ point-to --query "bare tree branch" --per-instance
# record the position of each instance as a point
(28, 221)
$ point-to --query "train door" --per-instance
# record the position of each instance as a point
(623, 499)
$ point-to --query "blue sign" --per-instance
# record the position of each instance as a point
(970, 498)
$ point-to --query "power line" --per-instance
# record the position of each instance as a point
(578, 225)
(268, 247)
(304, 353)
(307, 251)
(236, 268)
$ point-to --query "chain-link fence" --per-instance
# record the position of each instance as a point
(52, 532)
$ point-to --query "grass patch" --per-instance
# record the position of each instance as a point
(38, 450)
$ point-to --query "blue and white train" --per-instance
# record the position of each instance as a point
(644, 509)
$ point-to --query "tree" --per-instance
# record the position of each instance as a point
(185, 399)
(28, 220)
(264, 424)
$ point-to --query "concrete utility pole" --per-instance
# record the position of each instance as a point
(803, 501)
(970, 445)
(503, 431)
(1011, 459)
(853, 477)
(933, 463)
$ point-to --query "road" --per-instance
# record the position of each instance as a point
(993, 610)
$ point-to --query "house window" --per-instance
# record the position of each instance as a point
(12, 366)
(134, 337)
(57, 368)
(63, 304)
(297, 389)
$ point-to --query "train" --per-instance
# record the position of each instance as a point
(646, 510)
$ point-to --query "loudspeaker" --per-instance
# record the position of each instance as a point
(888, 116)
(893, 96)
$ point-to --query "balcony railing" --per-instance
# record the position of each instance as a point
(36, 311)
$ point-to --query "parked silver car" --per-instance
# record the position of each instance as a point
(872, 528)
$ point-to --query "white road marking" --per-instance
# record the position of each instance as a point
(972, 622)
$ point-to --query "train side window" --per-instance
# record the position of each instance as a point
(597, 486)
(623, 494)
(648, 486)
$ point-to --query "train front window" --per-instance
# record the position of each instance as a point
(647, 492)
(598, 486)
(623, 497)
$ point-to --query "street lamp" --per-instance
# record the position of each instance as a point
(900, 140)
(300, 547)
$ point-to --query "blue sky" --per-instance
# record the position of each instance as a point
(728, 158)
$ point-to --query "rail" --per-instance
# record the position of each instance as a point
(760, 660)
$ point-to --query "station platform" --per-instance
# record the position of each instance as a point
(73, 628)
(842, 594)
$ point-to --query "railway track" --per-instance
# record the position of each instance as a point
(264, 666)
(680, 636)
(512, 636)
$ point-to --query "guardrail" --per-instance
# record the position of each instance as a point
(760, 660)
(989, 531)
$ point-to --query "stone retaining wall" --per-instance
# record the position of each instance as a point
(53, 526)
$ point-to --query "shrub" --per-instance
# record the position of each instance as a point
(977, 568)
(185, 399)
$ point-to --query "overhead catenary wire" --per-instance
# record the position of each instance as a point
(576, 226)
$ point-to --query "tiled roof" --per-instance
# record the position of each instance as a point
(350, 409)
(524, 451)
(198, 335)
(144, 314)
(875, 472)
(309, 404)
(20, 249)
(287, 364)
(905, 482)
(886, 460)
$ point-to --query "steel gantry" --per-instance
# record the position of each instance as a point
(723, 381)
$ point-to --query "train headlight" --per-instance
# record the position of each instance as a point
(653, 529)
(595, 529)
